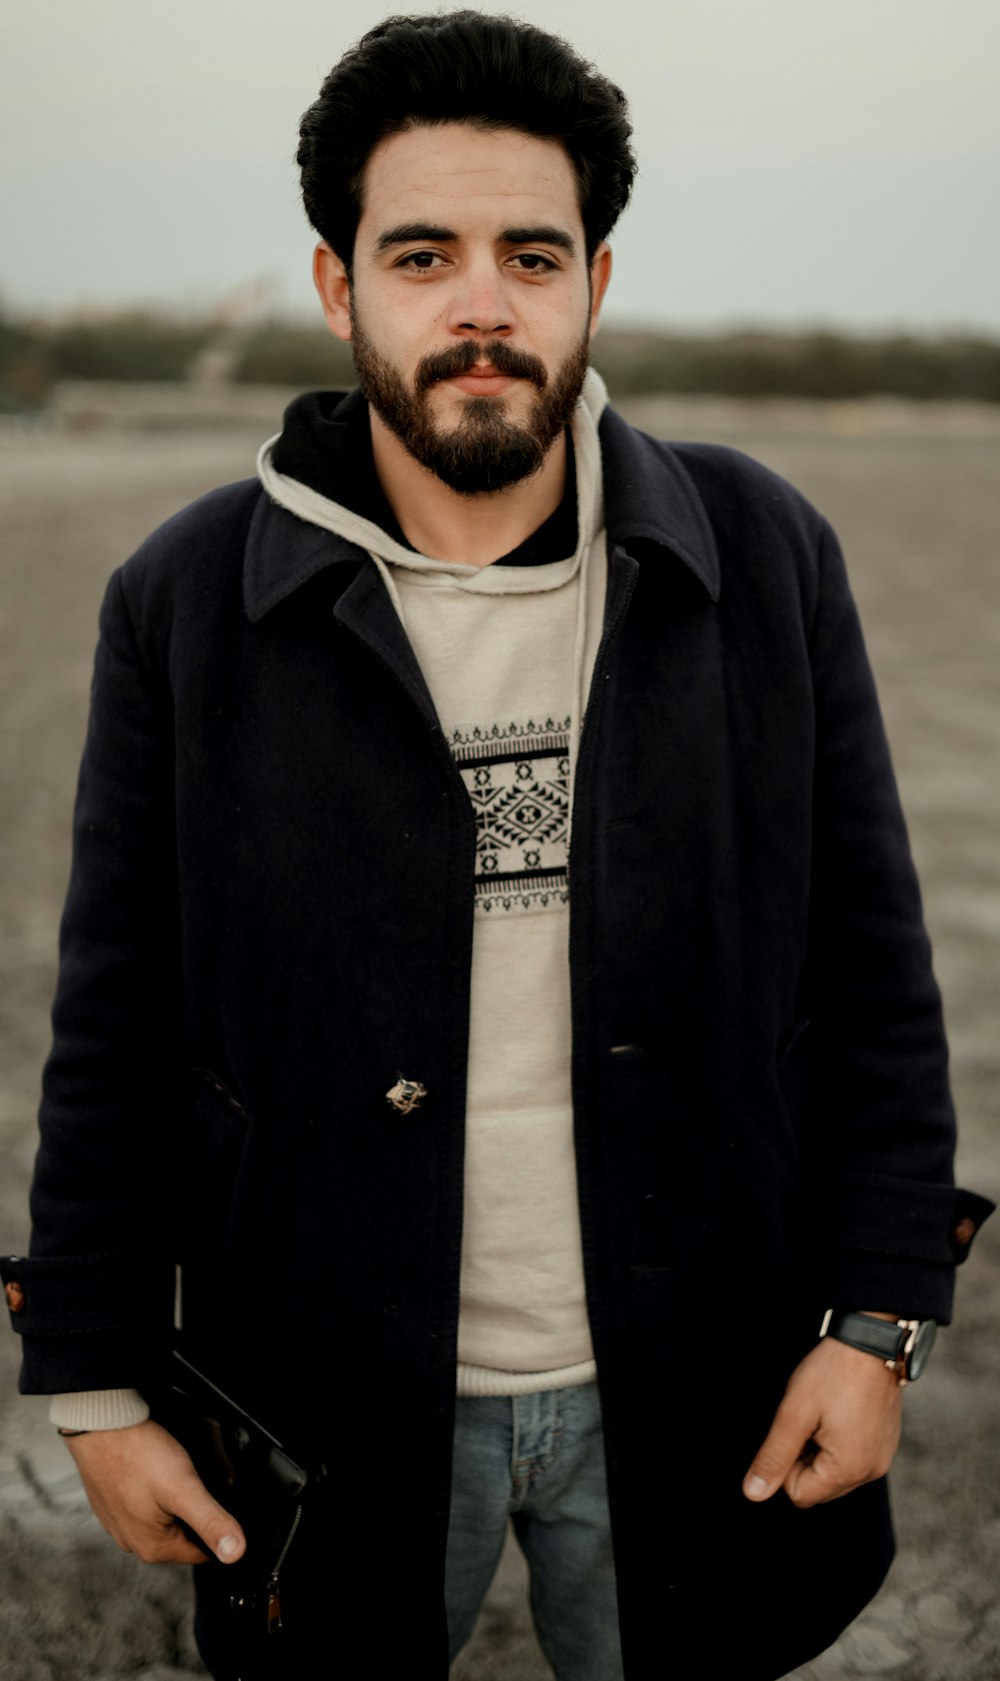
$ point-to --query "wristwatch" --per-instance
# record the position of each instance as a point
(903, 1346)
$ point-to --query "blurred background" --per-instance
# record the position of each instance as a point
(809, 177)
(809, 270)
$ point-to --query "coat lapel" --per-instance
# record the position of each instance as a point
(649, 498)
(366, 611)
(284, 552)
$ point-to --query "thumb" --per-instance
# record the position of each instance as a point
(776, 1455)
(218, 1530)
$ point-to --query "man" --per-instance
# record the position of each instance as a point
(493, 964)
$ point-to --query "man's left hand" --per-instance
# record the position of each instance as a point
(837, 1427)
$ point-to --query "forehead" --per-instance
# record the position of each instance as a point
(454, 171)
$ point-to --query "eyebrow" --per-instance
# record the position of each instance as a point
(539, 235)
(409, 233)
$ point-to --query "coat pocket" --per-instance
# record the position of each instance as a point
(218, 1138)
(791, 1070)
(790, 1066)
(792, 1043)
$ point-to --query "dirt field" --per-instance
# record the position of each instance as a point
(915, 495)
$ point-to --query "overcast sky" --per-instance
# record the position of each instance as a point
(801, 161)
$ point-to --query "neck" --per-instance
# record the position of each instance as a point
(474, 530)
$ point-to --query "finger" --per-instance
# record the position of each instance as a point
(805, 1486)
(819, 1479)
(156, 1540)
(779, 1451)
(167, 1545)
(829, 1475)
(219, 1531)
(147, 1530)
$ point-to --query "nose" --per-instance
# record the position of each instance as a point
(481, 304)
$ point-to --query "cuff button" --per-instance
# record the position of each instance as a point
(15, 1297)
(963, 1232)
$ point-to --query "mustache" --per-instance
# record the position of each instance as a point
(461, 358)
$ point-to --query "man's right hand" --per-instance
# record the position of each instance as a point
(139, 1481)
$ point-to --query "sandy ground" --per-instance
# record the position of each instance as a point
(915, 494)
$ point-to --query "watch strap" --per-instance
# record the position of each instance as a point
(871, 1336)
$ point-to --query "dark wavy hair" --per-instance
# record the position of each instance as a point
(492, 72)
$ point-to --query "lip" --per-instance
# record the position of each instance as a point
(482, 382)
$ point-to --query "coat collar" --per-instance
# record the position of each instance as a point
(648, 498)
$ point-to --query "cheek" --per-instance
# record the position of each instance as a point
(567, 327)
(409, 325)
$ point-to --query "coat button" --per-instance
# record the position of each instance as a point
(406, 1095)
(964, 1231)
(15, 1296)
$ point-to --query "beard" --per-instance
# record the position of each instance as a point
(484, 452)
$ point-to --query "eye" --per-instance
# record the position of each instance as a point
(532, 262)
(421, 261)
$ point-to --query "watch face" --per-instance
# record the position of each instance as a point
(921, 1348)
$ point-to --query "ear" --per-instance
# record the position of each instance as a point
(600, 274)
(334, 288)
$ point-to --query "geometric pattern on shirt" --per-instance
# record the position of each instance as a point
(517, 777)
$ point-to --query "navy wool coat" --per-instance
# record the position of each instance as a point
(270, 917)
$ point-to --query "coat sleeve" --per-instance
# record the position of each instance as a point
(93, 1300)
(893, 1223)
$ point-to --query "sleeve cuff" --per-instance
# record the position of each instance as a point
(96, 1321)
(895, 1245)
(906, 1219)
(98, 1409)
(858, 1283)
(67, 1295)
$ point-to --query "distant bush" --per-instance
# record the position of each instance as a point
(26, 369)
(138, 345)
(309, 357)
(131, 347)
(746, 364)
(820, 364)
(143, 345)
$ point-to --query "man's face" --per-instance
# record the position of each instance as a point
(472, 302)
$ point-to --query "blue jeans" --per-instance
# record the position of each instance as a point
(538, 1459)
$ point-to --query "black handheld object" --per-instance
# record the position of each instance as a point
(255, 1477)
(232, 1451)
